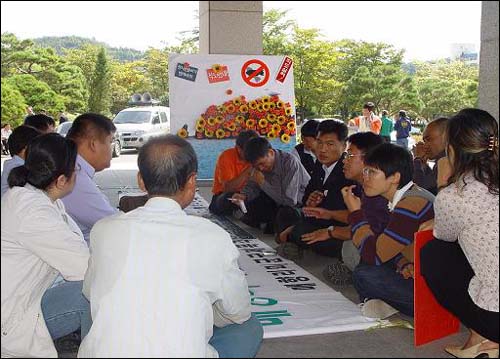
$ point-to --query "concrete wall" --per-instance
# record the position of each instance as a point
(231, 27)
(488, 65)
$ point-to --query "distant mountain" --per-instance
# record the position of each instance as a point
(58, 43)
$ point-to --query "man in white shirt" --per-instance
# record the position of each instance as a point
(159, 280)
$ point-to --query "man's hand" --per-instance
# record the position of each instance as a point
(444, 171)
(316, 236)
(238, 196)
(257, 177)
(315, 198)
(421, 151)
(352, 202)
(283, 236)
(317, 212)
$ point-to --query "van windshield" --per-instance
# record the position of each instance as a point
(132, 117)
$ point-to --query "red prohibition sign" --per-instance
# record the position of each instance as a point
(248, 77)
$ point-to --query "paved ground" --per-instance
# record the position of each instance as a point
(386, 343)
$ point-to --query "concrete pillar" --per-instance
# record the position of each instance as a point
(488, 65)
(231, 27)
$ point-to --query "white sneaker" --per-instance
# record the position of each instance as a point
(376, 308)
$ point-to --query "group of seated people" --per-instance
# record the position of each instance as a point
(362, 200)
(155, 281)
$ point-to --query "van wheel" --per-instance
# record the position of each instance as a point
(117, 149)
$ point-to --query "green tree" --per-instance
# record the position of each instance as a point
(100, 94)
(445, 88)
(156, 65)
(276, 32)
(37, 93)
(128, 78)
(13, 104)
(22, 57)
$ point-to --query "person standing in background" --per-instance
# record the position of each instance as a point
(403, 128)
(387, 127)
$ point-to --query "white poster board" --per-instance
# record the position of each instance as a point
(217, 96)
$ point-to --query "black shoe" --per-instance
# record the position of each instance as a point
(69, 343)
(249, 221)
(269, 228)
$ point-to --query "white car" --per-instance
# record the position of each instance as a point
(137, 124)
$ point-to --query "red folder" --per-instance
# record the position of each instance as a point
(431, 320)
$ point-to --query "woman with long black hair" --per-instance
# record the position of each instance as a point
(39, 243)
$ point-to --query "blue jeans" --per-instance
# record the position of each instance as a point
(383, 282)
(65, 309)
(238, 340)
(403, 142)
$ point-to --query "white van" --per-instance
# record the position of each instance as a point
(137, 124)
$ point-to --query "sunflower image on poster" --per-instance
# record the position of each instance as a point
(268, 115)
(234, 94)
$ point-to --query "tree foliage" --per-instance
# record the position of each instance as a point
(100, 94)
(332, 78)
(13, 104)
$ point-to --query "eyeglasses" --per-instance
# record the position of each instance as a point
(369, 172)
(350, 155)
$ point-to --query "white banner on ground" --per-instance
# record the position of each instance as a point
(288, 300)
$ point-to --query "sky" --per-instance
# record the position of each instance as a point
(425, 29)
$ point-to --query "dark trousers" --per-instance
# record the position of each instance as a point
(5, 147)
(263, 209)
(448, 274)
(221, 205)
(383, 282)
(289, 216)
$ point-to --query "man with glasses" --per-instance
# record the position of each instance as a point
(384, 278)
(374, 208)
(298, 232)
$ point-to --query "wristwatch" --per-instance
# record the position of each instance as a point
(330, 231)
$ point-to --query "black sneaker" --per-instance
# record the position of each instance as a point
(69, 343)
(338, 274)
(269, 228)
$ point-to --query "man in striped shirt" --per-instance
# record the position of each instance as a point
(386, 268)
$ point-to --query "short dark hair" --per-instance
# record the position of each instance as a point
(48, 156)
(369, 106)
(390, 159)
(256, 148)
(90, 125)
(440, 123)
(385, 112)
(334, 126)
(20, 138)
(165, 163)
(41, 122)
(244, 137)
(402, 113)
(309, 129)
(365, 141)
